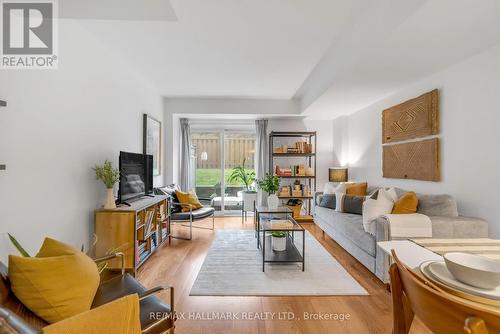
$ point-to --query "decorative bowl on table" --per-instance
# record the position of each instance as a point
(475, 270)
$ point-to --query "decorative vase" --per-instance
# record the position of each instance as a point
(272, 201)
(110, 199)
(249, 200)
(279, 244)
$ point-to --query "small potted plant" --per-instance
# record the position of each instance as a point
(270, 184)
(247, 177)
(109, 176)
(278, 241)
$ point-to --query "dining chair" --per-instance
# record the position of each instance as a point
(441, 312)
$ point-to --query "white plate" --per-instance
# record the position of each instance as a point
(437, 270)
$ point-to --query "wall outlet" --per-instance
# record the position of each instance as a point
(3, 167)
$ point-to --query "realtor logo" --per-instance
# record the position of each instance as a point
(28, 34)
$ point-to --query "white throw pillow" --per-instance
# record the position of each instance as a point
(339, 192)
(329, 188)
(392, 194)
(374, 208)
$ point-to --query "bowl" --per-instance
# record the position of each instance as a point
(475, 270)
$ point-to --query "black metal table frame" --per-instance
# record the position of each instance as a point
(257, 214)
(261, 243)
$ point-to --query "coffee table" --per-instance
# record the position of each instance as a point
(264, 212)
(285, 223)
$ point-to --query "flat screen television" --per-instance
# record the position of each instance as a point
(136, 176)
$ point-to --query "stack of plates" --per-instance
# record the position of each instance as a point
(436, 271)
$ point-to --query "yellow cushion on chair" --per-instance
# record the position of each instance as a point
(120, 316)
(188, 198)
(58, 283)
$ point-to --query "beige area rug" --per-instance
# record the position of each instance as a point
(233, 267)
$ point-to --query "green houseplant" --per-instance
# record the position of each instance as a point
(109, 176)
(270, 184)
(247, 177)
(243, 175)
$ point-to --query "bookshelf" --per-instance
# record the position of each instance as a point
(292, 157)
(137, 230)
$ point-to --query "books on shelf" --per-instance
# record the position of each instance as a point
(141, 251)
(148, 224)
(138, 220)
(161, 213)
(297, 170)
(154, 241)
(300, 147)
(143, 256)
(298, 190)
(164, 233)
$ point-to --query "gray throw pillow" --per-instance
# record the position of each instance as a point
(353, 204)
(328, 201)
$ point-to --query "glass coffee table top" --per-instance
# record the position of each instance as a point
(279, 209)
(280, 225)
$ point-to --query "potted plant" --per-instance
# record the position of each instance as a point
(247, 177)
(109, 176)
(270, 184)
(278, 241)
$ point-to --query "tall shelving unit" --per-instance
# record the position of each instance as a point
(308, 159)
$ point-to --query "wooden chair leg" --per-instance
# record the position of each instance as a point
(401, 311)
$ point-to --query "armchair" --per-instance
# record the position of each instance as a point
(186, 218)
(14, 316)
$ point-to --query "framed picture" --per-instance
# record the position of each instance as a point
(152, 141)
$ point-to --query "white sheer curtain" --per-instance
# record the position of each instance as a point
(261, 153)
(185, 155)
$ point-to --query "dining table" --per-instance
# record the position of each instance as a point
(412, 255)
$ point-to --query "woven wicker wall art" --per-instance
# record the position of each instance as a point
(415, 118)
(418, 160)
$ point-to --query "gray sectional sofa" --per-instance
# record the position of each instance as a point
(347, 229)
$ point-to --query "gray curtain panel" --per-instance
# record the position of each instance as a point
(261, 153)
(185, 154)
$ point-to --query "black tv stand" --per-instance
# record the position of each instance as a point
(149, 195)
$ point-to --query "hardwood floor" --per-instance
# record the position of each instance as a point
(178, 265)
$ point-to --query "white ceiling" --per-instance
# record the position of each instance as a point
(243, 48)
(333, 56)
(394, 44)
(143, 10)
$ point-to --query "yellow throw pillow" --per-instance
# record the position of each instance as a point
(52, 247)
(188, 198)
(120, 316)
(406, 204)
(357, 189)
(58, 283)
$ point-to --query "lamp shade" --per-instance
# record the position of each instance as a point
(337, 174)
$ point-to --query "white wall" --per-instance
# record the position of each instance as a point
(57, 126)
(470, 123)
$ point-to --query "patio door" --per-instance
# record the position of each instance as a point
(217, 153)
(239, 148)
